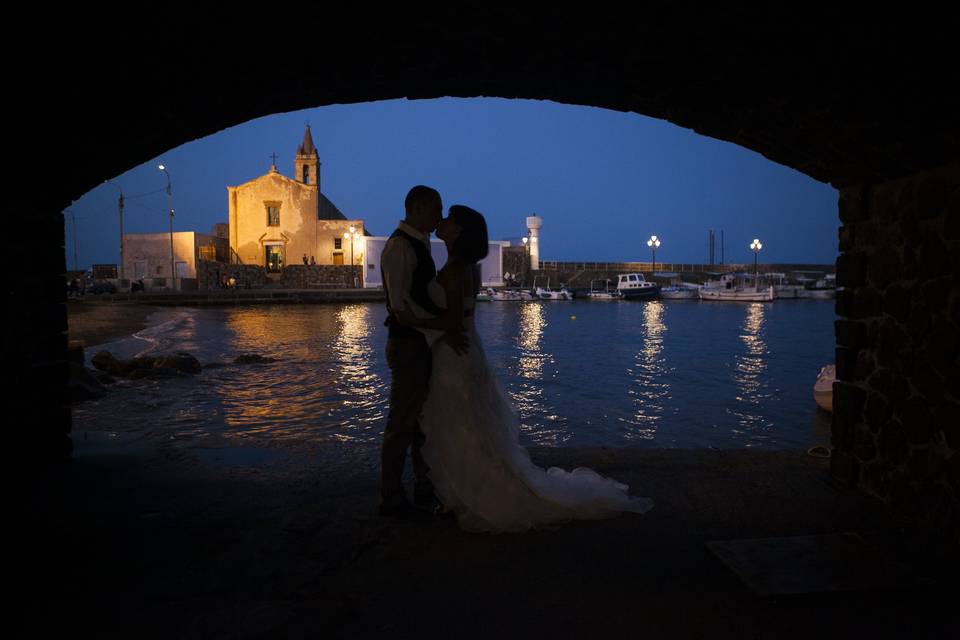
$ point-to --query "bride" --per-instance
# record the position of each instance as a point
(479, 470)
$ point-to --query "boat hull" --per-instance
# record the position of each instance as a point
(728, 295)
(644, 293)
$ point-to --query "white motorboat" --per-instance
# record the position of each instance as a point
(603, 294)
(823, 388)
(733, 289)
(633, 286)
(484, 296)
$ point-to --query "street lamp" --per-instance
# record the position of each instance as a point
(173, 273)
(755, 246)
(352, 235)
(653, 243)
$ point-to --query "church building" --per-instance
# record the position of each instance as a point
(275, 221)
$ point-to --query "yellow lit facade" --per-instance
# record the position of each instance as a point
(274, 220)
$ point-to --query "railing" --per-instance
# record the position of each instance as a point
(234, 258)
(633, 267)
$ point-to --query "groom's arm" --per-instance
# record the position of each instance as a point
(398, 261)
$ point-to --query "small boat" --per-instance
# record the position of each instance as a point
(603, 294)
(823, 289)
(732, 288)
(484, 296)
(680, 290)
(546, 293)
(633, 286)
(823, 388)
(509, 295)
(550, 294)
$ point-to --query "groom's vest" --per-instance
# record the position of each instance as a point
(423, 273)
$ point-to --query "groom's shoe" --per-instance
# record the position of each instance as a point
(428, 501)
(403, 511)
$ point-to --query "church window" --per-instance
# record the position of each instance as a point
(273, 215)
(306, 174)
(338, 243)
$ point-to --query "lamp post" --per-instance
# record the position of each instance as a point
(755, 246)
(173, 272)
(352, 236)
(653, 243)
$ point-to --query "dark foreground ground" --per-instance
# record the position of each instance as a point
(134, 539)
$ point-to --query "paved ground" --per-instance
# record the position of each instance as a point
(137, 539)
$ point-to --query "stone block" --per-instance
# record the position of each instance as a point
(869, 303)
(884, 266)
(896, 302)
(853, 203)
(918, 422)
(877, 412)
(852, 269)
(850, 333)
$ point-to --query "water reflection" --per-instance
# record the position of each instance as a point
(320, 387)
(529, 394)
(650, 389)
(750, 376)
(362, 389)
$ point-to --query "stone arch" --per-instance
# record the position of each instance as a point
(867, 106)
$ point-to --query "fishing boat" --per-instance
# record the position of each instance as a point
(509, 295)
(606, 293)
(633, 286)
(733, 288)
(680, 290)
(546, 293)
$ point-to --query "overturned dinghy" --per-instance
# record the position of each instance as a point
(823, 388)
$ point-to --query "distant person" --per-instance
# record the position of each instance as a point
(305, 261)
(313, 261)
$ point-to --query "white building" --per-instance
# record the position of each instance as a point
(491, 267)
(146, 256)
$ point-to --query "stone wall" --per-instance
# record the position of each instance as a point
(301, 276)
(209, 274)
(896, 421)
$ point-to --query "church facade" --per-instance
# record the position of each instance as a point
(276, 221)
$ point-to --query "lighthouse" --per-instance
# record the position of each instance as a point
(534, 223)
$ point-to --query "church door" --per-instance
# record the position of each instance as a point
(338, 258)
(274, 258)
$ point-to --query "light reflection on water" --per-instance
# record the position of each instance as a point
(663, 374)
(651, 389)
(749, 376)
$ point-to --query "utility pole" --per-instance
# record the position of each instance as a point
(120, 207)
(73, 217)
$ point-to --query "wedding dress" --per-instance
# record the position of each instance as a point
(478, 468)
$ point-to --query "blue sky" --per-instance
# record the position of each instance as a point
(603, 181)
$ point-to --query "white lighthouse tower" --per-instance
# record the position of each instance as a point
(534, 223)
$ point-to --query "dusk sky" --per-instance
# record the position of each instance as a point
(602, 181)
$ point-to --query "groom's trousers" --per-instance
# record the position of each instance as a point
(410, 362)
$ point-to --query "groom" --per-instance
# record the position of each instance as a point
(407, 268)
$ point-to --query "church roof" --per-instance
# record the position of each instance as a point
(328, 210)
(306, 148)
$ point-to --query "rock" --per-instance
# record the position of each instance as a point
(104, 361)
(178, 363)
(252, 358)
(82, 385)
(155, 372)
(183, 362)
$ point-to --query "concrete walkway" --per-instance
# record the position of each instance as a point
(139, 539)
